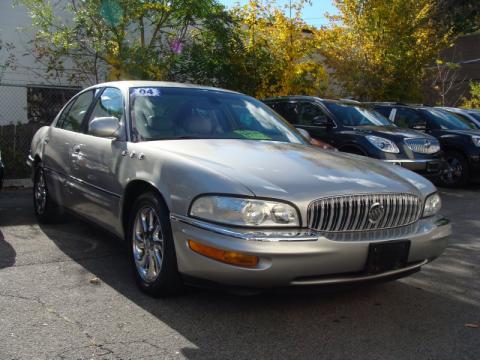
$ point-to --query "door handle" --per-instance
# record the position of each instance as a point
(46, 140)
(76, 149)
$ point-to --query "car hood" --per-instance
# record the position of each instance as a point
(460, 132)
(391, 131)
(294, 172)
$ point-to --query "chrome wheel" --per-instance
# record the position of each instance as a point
(148, 244)
(40, 192)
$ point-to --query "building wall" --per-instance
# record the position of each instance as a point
(465, 53)
(15, 28)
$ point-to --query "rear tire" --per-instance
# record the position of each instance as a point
(46, 210)
(152, 249)
(456, 173)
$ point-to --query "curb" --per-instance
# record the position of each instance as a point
(17, 183)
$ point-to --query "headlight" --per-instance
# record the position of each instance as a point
(476, 140)
(433, 204)
(383, 144)
(244, 211)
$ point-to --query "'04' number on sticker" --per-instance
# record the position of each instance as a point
(146, 92)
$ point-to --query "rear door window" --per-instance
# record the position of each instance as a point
(288, 110)
(408, 118)
(74, 115)
(310, 113)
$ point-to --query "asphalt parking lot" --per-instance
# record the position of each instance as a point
(50, 308)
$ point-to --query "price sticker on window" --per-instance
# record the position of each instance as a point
(146, 92)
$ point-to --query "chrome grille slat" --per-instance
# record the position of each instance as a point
(340, 214)
(423, 145)
(387, 211)
(352, 212)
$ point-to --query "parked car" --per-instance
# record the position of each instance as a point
(472, 116)
(209, 184)
(354, 128)
(2, 170)
(459, 139)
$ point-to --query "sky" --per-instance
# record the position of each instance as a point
(313, 15)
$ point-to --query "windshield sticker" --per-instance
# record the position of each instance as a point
(146, 92)
(252, 134)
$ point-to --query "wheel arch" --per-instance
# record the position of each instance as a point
(133, 190)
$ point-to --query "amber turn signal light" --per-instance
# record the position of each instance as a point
(229, 257)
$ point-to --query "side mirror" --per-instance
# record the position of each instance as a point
(322, 121)
(419, 126)
(305, 134)
(106, 127)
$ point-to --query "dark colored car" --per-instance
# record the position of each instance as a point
(470, 115)
(459, 138)
(1, 171)
(355, 128)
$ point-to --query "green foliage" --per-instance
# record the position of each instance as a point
(263, 53)
(280, 51)
(374, 49)
(118, 39)
(379, 49)
(462, 16)
(473, 102)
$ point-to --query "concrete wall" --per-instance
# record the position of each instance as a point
(15, 28)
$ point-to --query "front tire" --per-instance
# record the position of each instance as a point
(152, 250)
(46, 210)
(456, 174)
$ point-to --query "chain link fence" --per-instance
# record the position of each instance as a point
(23, 110)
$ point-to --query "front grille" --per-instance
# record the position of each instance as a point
(423, 145)
(363, 212)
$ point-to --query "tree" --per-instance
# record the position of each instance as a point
(378, 50)
(118, 39)
(473, 102)
(267, 51)
(462, 16)
(280, 55)
(446, 80)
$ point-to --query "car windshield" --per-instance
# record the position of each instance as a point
(352, 115)
(447, 121)
(160, 113)
(475, 115)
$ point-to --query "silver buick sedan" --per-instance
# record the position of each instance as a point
(212, 185)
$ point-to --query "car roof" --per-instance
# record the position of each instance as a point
(460, 110)
(399, 104)
(125, 84)
(316, 98)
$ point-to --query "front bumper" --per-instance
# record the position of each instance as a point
(304, 257)
(430, 168)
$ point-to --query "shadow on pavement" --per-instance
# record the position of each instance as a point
(7, 253)
(16, 208)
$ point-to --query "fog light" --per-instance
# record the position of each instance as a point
(229, 257)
